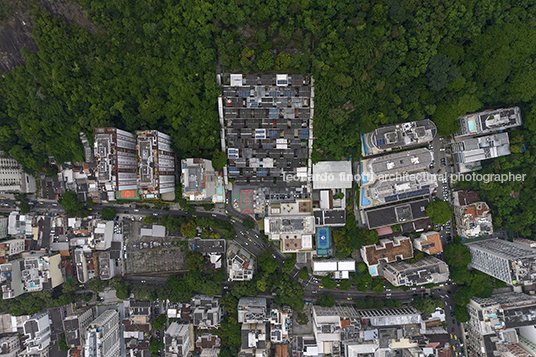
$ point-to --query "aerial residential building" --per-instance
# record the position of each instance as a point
(396, 214)
(473, 220)
(387, 332)
(3, 226)
(31, 274)
(469, 153)
(20, 225)
(101, 235)
(201, 182)
(206, 312)
(331, 179)
(156, 165)
(403, 187)
(9, 248)
(240, 263)
(395, 136)
(13, 178)
(280, 322)
(512, 263)
(502, 325)
(75, 327)
(386, 251)
(465, 198)
(488, 121)
(10, 346)
(428, 270)
(177, 340)
(37, 332)
(381, 167)
(252, 310)
(293, 224)
(115, 155)
(267, 131)
(139, 312)
(331, 325)
(103, 336)
(254, 340)
(429, 243)
(209, 345)
(339, 268)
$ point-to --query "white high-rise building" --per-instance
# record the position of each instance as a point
(102, 339)
(177, 340)
(37, 331)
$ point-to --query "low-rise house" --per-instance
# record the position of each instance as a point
(206, 312)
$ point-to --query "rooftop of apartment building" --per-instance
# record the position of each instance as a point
(481, 148)
(403, 187)
(396, 214)
(388, 250)
(405, 161)
(392, 317)
(401, 135)
(488, 121)
(504, 249)
(465, 197)
(266, 126)
(425, 271)
(200, 182)
(332, 175)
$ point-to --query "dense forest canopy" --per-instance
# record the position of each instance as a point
(152, 65)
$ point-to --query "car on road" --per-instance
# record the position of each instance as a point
(213, 215)
(250, 239)
(314, 291)
(155, 214)
(136, 210)
(349, 298)
(321, 287)
(232, 220)
(41, 203)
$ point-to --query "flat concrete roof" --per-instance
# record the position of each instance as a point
(332, 174)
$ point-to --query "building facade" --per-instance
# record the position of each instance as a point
(103, 336)
(510, 262)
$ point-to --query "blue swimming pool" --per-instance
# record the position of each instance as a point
(372, 270)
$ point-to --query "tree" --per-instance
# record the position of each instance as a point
(195, 261)
(361, 267)
(326, 301)
(159, 322)
(96, 285)
(267, 263)
(150, 220)
(121, 287)
(427, 305)
(219, 159)
(248, 223)
(441, 71)
(24, 207)
(457, 255)
(142, 292)
(302, 318)
(439, 211)
(390, 303)
(461, 314)
(304, 273)
(265, 61)
(328, 283)
(62, 344)
(108, 214)
(208, 206)
(288, 265)
(155, 346)
(188, 229)
(345, 285)
(71, 205)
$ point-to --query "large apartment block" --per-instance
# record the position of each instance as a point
(395, 136)
(130, 167)
(510, 262)
(12, 178)
(115, 155)
(502, 325)
(386, 251)
(31, 274)
(488, 121)
(428, 270)
(266, 120)
(156, 165)
(103, 336)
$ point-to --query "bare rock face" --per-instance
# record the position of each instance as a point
(16, 29)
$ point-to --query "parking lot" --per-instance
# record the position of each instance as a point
(144, 254)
